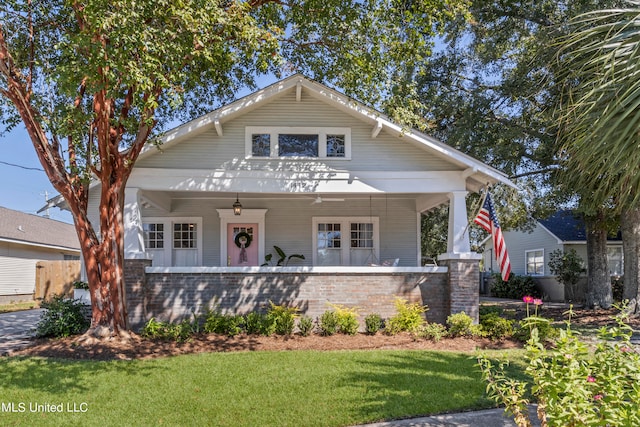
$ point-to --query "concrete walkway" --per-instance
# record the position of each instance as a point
(484, 418)
(16, 328)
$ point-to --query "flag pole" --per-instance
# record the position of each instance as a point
(484, 197)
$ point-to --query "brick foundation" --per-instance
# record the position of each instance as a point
(173, 296)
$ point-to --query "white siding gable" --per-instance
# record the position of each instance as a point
(208, 150)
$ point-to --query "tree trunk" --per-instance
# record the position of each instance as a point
(630, 227)
(105, 267)
(598, 281)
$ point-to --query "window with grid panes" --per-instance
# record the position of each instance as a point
(184, 236)
(153, 236)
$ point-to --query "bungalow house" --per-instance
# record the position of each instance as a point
(303, 167)
(530, 252)
(26, 239)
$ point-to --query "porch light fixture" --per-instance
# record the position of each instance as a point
(237, 207)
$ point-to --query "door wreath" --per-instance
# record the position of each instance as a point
(243, 239)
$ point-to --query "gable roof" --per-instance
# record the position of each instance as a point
(477, 173)
(33, 230)
(567, 226)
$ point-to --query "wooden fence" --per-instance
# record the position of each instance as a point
(56, 277)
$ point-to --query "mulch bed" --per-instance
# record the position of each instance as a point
(136, 347)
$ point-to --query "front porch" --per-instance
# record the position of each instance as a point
(175, 293)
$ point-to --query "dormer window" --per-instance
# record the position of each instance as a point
(298, 142)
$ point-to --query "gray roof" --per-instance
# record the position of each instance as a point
(35, 230)
(567, 226)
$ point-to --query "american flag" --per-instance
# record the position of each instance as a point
(488, 220)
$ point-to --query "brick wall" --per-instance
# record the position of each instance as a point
(464, 281)
(172, 297)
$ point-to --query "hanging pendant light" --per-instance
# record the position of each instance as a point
(237, 207)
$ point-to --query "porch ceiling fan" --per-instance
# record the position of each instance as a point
(320, 199)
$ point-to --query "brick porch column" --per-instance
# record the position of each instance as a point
(134, 283)
(464, 282)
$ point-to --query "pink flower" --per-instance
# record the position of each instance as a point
(528, 299)
(597, 397)
(591, 379)
(625, 349)
(537, 301)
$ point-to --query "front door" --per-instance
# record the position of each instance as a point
(242, 244)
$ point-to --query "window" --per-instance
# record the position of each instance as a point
(615, 260)
(298, 142)
(153, 236)
(333, 246)
(535, 262)
(261, 144)
(297, 145)
(335, 146)
(173, 241)
(184, 235)
(329, 244)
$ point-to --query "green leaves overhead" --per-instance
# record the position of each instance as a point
(601, 118)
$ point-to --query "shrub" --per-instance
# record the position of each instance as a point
(496, 327)
(460, 325)
(62, 317)
(158, 330)
(572, 384)
(567, 268)
(372, 323)
(515, 288)
(328, 323)
(433, 331)
(223, 324)
(347, 319)
(283, 318)
(305, 325)
(545, 330)
(408, 318)
(254, 323)
(490, 309)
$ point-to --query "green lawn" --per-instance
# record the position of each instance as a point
(18, 306)
(301, 388)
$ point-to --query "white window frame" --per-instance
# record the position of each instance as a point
(168, 222)
(526, 262)
(274, 131)
(345, 228)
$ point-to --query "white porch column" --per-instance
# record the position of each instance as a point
(458, 239)
(133, 234)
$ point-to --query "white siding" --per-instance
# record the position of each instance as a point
(207, 150)
(17, 276)
(288, 224)
(18, 266)
(518, 243)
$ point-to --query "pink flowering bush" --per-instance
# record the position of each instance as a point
(573, 383)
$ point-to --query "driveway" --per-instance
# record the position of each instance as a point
(16, 328)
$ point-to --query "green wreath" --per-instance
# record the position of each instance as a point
(247, 237)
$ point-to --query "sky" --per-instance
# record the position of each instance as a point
(24, 189)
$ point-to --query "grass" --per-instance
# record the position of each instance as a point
(243, 389)
(18, 306)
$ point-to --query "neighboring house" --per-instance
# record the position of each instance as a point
(315, 173)
(530, 252)
(26, 239)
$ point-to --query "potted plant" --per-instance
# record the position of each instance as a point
(81, 291)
